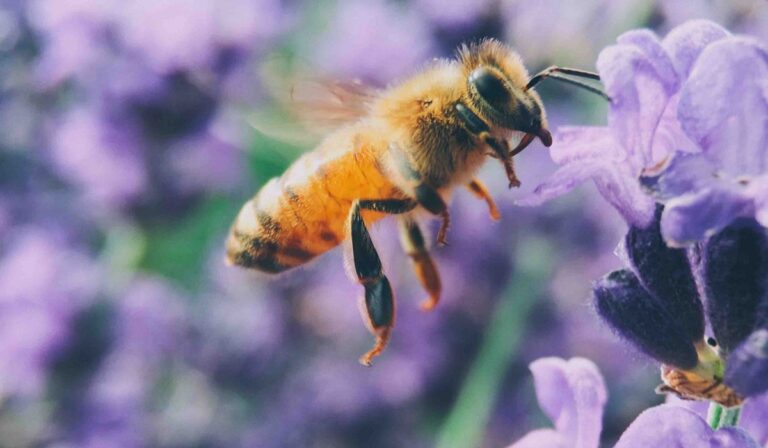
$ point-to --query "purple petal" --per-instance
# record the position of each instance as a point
(685, 43)
(640, 80)
(731, 437)
(621, 187)
(562, 181)
(666, 425)
(572, 393)
(575, 143)
(685, 173)
(648, 43)
(753, 418)
(670, 138)
(693, 217)
(758, 189)
(542, 438)
(724, 105)
(747, 370)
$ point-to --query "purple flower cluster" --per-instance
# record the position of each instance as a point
(687, 128)
(138, 95)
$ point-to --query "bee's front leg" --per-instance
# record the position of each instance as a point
(481, 192)
(379, 303)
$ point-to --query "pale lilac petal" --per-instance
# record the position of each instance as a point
(685, 42)
(562, 181)
(670, 137)
(758, 189)
(542, 438)
(573, 143)
(572, 393)
(731, 437)
(733, 132)
(622, 189)
(640, 85)
(685, 173)
(754, 416)
(692, 217)
(666, 425)
(647, 41)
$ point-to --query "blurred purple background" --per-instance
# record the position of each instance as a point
(125, 152)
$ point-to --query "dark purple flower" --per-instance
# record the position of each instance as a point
(688, 115)
(666, 273)
(661, 312)
(735, 275)
(645, 320)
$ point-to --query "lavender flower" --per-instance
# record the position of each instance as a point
(398, 40)
(688, 116)
(659, 309)
(155, 84)
(572, 393)
(46, 284)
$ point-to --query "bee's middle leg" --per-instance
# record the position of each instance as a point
(413, 242)
(379, 302)
(431, 200)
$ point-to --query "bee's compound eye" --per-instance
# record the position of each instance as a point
(489, 85)
(712, 342)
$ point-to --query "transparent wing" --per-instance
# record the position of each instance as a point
(324, 105)
(305, 108)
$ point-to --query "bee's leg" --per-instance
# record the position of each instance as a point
(431, 200)
(426, 195)
(379, 303)
(481, 192)
(426, 271)
(500, 148)
(502, 152)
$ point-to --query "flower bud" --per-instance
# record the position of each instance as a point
(735, 275)
(666, 273)
(747, 369)
(640, 318)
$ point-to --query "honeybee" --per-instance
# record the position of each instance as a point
(397, 151)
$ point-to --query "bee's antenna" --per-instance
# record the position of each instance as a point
(554, 73)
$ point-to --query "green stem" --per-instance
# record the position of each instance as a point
(730, 416)
(713, 414)
(719, 416)
(467, 420)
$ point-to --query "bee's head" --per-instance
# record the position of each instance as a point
(496, 90)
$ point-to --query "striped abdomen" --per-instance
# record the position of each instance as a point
(302, 214)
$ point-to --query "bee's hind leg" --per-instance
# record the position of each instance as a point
(413, 242)
(379, 303)
(481, 192)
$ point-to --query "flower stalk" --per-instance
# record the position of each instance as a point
(719, 416)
